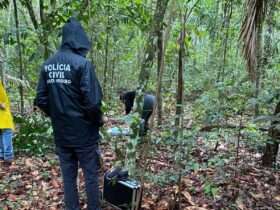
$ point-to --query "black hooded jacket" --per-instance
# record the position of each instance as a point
(69, 92)
(128, 99)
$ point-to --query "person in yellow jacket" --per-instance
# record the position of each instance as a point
(6, 128)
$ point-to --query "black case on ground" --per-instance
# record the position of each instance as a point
(122, 194)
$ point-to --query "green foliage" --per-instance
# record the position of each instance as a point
(210, 189)
(4, 4)
(163, 178)
(217, 89)
(34, 135)
(133, 121)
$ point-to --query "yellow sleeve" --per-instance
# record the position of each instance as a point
(3, 95)
(6, 118)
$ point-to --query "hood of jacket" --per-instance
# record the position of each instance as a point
(75, 38)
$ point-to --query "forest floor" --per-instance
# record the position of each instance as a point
(34, 183)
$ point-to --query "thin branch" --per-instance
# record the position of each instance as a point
(208, 128)
(190, 12)
(28, 5)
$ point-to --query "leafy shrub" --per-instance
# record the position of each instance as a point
(33, 135)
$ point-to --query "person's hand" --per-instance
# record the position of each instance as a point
(2, 106)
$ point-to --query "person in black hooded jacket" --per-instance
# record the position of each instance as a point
(70, 94)
(128, 98)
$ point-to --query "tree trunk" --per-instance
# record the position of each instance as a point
(139, 51)
(44, 35)
(106, 53)
(106, 65)
(161, 62)
(258, 69)
(272, 145)
(180, 82)
(268, 48)
(225, 36)
(1, 71)
(113, 76)
(180, 86)
(28, 5)
(146, 66)
(53, 4)
(150, 49)
(159, 78)
(259, 64)
(6, 51)
(20, 57)
(211, 60)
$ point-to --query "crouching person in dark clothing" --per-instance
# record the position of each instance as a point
(128, 99)
(70, 94)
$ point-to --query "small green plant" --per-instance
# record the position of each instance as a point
(210, 189)
(33, 135)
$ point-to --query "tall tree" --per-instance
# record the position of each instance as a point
(1, 68)
(181, 55)
(146, 66)
(272, 144)
(180, 81)
(163, 38)
(251, 36)
(228, 6)
(19, 56)
(42, 34)
(106, 62)
(150, 49)
(45, 37)
(160, 62)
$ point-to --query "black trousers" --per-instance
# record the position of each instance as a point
(148, 108)
(89, 160)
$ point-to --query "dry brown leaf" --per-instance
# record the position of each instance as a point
(189, 125)
(54, 172)
(44, 186)
(257, 196)
(55, 183)
(188, 197)
(159, 163)
(195, 208)
(35, 173)
(147, 185)
(12, 197)
(277, 197)
(147, 203)
(162, 205)
(25, 204)
(187, 182)
(176, 189)
(240, 204)
(28, 162)
(145, 206)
